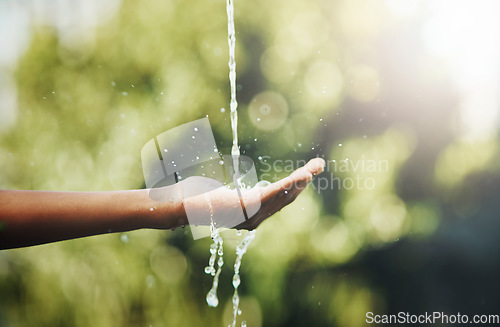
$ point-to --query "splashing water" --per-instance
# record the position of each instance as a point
(240, 251)
(235, 152)
(216, 248)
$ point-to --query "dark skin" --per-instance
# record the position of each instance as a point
(37, 217)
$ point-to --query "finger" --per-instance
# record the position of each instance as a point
(302, 175)
(315, 166)
(299, 178)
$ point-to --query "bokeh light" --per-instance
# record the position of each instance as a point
(399, 97)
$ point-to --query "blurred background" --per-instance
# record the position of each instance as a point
(400, 97)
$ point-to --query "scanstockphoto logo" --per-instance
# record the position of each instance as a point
(346, 174)
(183, 164)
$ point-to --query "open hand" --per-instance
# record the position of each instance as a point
(223, 207)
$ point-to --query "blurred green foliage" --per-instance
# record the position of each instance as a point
(325, 69)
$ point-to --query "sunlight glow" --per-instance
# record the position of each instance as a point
(465, 33)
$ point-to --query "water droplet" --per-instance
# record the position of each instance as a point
(243, 323)
(260, 158)
(113, 83)
(212, 299)
(124, 93)
(192, 137)
(340, 144)
(239, 312)
(196, 129)
(222, 110)
(132, 85)
(286, 192)
(263, 183)
(151, 209)
(208, 270)
(238, 232)
(215, 150)
(258, 119)
(221, 162)
(236, 300)
(255, 140)
(124, 238)
(161, 93)
(236, 280)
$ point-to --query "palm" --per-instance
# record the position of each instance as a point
(223, 206)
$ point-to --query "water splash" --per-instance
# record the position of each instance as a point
(240, 251)
(215, 249)
(235, 152)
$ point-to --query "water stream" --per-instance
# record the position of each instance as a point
(240, 251)
(216, 248)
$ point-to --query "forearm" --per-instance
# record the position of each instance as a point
(37, 217)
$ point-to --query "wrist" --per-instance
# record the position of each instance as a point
(160, 214)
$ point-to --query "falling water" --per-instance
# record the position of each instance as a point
(240, 251)
(235, 152)
(216, 247)
(231, 39)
